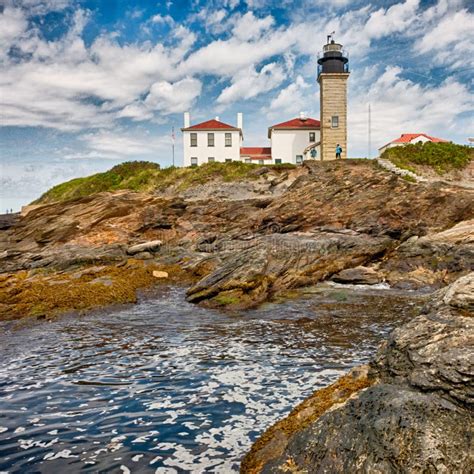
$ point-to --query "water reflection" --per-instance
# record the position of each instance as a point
(168, 387)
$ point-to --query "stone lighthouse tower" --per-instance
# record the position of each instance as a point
(333, 73)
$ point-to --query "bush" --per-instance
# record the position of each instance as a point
(442, 157)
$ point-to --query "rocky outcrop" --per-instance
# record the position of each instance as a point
(309, 224)
(270, 264)
(435, 259)
(415, 414)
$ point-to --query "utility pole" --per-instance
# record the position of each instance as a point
(172, 137)
(370, 133)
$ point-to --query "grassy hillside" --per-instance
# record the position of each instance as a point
(441, 157)
(146, 177)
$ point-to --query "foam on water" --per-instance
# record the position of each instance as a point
(167, 387)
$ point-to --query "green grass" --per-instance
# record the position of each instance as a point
(441, 157)
(145, 176)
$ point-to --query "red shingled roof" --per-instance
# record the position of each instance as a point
(296, 124)
(256, 153)
(211, 125)
(408, 137)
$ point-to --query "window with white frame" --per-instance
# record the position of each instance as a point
(194, 161)
(211, 159)
(299, 159)
(194, 139)
(278, 161)
(334, 121)
(210, 139)
(248, 160)
(312, 136)
(228, 139)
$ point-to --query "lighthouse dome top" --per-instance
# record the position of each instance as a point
(332, 47)
(333, 58)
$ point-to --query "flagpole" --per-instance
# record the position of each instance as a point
(370, 133)
(172, 135)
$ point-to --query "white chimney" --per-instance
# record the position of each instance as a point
(187, 120)
(240, 120)
(217, 118)
(302, 116)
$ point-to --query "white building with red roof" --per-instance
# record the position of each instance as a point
(295, 140)
(211, 141)
(291, 142)
(411, 138)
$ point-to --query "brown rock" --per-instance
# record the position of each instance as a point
(358, 276)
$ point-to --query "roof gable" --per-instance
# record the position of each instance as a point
(296, 124)
(408, 137)
(211, 125)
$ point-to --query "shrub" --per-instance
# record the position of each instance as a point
(442, 157)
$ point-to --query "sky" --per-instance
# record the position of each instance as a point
(85, 85)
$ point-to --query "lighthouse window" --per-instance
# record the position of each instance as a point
(211, 159)
(194, 139)
(210, 139)
(334, 121)
(299, 159)
(228, 139)
(312, 136)
(194, 161)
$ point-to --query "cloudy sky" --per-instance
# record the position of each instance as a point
(87, 84)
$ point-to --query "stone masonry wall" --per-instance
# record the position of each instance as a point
(333, 102)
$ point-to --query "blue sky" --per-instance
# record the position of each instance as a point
(88, 84)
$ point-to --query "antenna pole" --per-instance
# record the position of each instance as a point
(370, 133)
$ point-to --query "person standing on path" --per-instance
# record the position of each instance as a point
(338, 151)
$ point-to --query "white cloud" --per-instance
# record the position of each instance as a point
(228, 57)
(451, 40)
(117, 145)
(298, 96)
(397, 18)
(250, 83)
(68, 86)
(13, 24)
(249, 27)
(162, 19)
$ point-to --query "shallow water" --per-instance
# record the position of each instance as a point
(165, 386)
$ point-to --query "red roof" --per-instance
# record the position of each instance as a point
(408, 137)
(211, 125)
(256, 153)
(296, 124)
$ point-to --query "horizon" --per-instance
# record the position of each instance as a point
(86, 85)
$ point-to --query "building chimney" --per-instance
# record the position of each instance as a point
(240, 120)
(187, 120)
(302, 116)
(217, 118)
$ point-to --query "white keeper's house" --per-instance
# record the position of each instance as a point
(292, 141)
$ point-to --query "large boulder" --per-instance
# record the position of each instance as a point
(358, 276)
